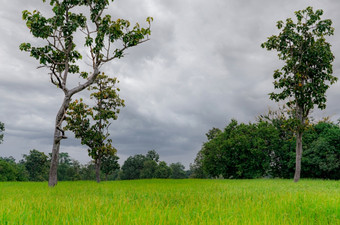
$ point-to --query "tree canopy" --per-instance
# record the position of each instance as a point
(308, 72)
(104, 39)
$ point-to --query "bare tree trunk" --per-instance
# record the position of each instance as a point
(298, 157)
(98, 162)
(58, 136)
(299, 133)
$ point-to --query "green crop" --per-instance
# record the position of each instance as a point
(172, 202)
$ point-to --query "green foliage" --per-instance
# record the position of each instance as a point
(267, 149)
(8, 172)
(308, 60)
(80, 116)
(12, 171)
(177, 171)
(2, 129)
(59, 31)
(132, 167)
(109, 164)
(321, 157)
(152, 155)
(68, 169)
(162, 171)
(37, 165)
(149, 169)
(146, 167)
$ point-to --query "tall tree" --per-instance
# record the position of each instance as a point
(2, 129)
(80, 117)
(307, 72)
(104, 38)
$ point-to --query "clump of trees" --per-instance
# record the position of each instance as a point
(34, 167)
(148, 166)
(266, 149)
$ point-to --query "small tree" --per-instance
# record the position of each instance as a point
(104, 38)
(2, 129)
(308, 68)
(36, 164)
(109, 164)
(80, 116)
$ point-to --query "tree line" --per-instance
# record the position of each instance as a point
(35, 167)
(266, 148)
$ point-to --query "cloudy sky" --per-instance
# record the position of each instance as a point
(202, 67)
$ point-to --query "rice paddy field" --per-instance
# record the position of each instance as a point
(172, 202)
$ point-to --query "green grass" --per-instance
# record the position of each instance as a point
(172, 202)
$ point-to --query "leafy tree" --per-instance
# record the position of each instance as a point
(162, 170)
(149, 169)
(2, 129)
(308, 68)
(152, 155)
(105, 39)
(37, 165)
(177, 171)
(109, 164)
(88, 171)
(196, 168)
(321, 157)
(80, 116)
(133, 166)
(8, 171)
(68, 168)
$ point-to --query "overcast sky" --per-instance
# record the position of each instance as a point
(202, 67)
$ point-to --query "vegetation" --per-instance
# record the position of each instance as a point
(2, 129)
(148, 166)
(307, 71)
(265, 149)
(34, 167)
(91, 124)
(172, 202)
(104, 38)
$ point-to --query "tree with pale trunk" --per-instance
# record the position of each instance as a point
(307, 73)
(91, 124)
(104, 40)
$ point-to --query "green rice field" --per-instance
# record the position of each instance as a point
(263, 201)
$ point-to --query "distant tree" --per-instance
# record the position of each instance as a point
(8, 171)
(162, 170)
(196, 168)
(68, 169)
(321, 157)
(149, 169)
(177, 171)
(308, 68)
(91, 124)
(132, 167)
(152, 155)
(104, 40)
(2, 129)
(36, 164)
(88, 171)
(109, 164)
